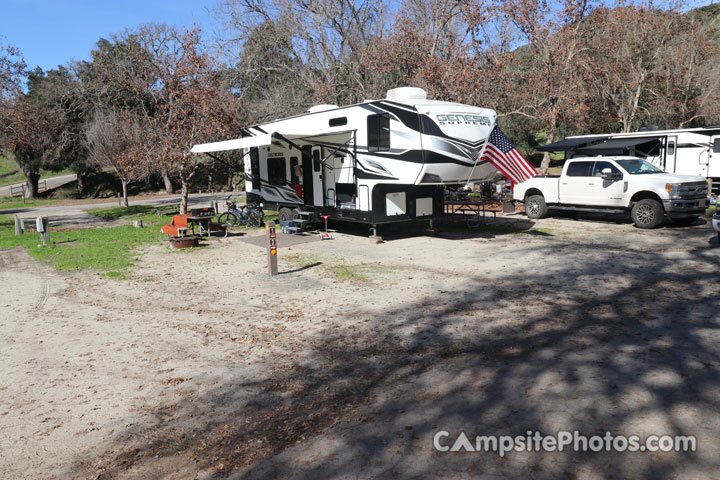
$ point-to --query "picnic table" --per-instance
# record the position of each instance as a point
(203, 218)
(205, 225)
(464, 207)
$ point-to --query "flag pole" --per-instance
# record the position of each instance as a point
(482, 152)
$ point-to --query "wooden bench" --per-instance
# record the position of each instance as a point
(167, 208)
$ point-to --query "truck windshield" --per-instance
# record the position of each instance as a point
(637, 166)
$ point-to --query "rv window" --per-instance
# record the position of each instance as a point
(716, 145)
(580, 169)
(338, 122)
(671, 148)
(378, 127)
(276, 171)
(294, 177)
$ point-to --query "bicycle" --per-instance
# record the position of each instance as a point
(250, 215)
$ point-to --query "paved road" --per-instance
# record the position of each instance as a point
(52, 182)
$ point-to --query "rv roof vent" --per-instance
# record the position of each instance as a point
(321, 108)
(406, 93)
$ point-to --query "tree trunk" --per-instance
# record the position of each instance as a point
(546, 157)
(33, 178)
(168, 183)
(80, 184)
(229, 184)
(183, 194)
(125, 195)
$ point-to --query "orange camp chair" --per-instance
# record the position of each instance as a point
(178, 227)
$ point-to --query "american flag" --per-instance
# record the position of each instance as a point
(506, 158)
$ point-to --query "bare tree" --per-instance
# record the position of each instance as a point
(12, 70)
(551, 86)
(118, 141)
(315, 46)
(196, 107)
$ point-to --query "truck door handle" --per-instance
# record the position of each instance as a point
(591, 183)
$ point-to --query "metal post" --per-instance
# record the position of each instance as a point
(271, 248)
(41, 226)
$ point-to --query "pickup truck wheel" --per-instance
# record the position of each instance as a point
(647, 213)
(535, 206)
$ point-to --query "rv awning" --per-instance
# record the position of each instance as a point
(615, 145)
(568, 144)
(237, 144)
(265, 139)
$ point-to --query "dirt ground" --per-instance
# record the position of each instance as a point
(347, 363)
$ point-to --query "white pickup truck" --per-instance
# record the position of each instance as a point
(616, 184)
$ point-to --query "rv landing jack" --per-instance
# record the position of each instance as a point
(431, 230)
(374, 236)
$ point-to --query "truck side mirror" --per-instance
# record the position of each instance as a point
(607, 174)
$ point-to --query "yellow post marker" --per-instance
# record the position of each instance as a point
(271, 241)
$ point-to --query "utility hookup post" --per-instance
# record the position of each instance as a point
(41, 225)
(19, 226)
(271, 248)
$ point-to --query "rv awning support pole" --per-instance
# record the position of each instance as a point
(222, 161)
(333, 153)
(323, 161)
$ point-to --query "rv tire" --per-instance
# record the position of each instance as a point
(285, 214)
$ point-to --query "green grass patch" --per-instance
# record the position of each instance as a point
(333, 267)
(356, 273)
(9, 203)
(134, 212)
(110, 251)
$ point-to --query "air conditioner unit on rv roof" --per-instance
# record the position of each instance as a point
(406, 93)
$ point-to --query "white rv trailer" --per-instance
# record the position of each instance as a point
(688, 151)
(376, 162)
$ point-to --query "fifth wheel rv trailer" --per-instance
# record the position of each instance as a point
(688, 151)
(376, 162)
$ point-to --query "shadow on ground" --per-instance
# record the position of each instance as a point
(630, 348)
(445, 227)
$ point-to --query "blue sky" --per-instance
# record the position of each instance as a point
(52, 32)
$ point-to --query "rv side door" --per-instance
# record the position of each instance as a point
(317, 176)
(670, 154)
